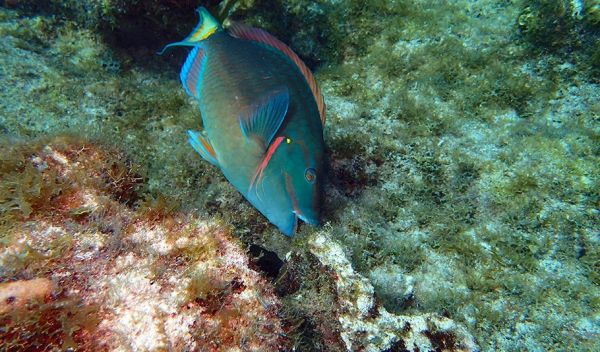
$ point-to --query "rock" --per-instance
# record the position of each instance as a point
(16, 294)
(369, 327)
(392, 285)
(130, 278)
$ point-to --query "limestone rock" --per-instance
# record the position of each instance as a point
(370, 327)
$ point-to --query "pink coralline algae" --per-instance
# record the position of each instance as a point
(81, 268)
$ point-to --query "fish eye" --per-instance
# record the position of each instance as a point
(310, 175)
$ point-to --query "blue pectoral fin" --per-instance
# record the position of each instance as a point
(202, 145)
(266, 116)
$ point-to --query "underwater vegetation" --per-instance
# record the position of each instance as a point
(85, 270)
(463, 143)
(569, 29)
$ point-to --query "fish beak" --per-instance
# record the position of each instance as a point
(307, 219)
(290, 226)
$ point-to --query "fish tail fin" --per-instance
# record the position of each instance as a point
(207, 25)
(169, 46)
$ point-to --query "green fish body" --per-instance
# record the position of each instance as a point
(262, 117)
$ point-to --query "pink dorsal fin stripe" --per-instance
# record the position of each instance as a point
(243, 31)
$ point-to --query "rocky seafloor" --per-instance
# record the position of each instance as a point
(461, 211)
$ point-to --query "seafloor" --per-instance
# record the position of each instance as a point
(461, 208)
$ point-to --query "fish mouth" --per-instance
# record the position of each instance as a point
(296, 209)
(290, 228)
(307, 220)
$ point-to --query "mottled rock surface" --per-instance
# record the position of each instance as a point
(83, 269)
(366, 326)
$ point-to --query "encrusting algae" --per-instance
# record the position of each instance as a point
(463, 186)
(114, 277)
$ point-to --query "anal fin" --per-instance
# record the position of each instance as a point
(199, 141)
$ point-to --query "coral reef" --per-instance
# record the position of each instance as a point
(85, 270)
(463, 145)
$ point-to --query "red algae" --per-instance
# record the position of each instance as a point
(85, 269)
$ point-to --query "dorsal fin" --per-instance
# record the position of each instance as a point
(242, 31)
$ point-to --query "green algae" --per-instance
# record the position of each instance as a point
(567, 29)
(442, 179)
(463, 148)
(548, 23)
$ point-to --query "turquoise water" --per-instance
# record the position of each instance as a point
(462, 143)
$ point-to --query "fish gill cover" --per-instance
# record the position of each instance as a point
(461, 210)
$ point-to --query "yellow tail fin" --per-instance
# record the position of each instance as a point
(205, 28)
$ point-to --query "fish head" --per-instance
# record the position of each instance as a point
(290, 188)
(303, 178)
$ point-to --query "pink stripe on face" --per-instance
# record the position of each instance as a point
(290, 188)
(265, 162)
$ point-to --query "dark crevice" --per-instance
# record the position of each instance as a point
(265, 261)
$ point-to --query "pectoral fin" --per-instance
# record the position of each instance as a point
(265, 117)
(201, 144)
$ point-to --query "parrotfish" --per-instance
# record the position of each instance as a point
(262, 117)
